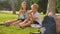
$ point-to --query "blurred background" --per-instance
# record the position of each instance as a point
(10, 8)
(14, 5)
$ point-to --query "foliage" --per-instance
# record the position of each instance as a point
(42, 5)
(5, 4)
(58, 6)
(18, 5)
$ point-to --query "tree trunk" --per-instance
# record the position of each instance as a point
(13, 6)
(51, 6)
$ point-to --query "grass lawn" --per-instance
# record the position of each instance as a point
(5, 16)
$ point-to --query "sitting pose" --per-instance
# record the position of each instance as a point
(22, 13)
(21, 16)
(33, 16)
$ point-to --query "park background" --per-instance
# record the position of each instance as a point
(9, 10)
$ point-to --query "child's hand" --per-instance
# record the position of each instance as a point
(34, 18)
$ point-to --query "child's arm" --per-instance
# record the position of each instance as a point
(32, 18)
(37, 16)
(28, 18)
(27, 24)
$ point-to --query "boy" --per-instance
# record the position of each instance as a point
(34, 16)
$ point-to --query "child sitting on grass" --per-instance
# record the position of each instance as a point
(22, 15)
(34, 16)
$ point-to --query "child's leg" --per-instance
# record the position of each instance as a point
(10, 22)
(17, 22)
(25, 24)
(25, 21)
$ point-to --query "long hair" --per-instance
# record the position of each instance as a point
(21, 8)
(24, 2)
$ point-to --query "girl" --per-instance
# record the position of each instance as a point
(33, 16)
(22, 14)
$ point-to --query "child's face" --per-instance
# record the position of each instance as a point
(34, 8)
(24, 6)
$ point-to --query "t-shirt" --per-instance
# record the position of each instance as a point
(37, 15)
(22, 16)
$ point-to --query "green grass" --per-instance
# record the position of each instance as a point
(5, 16)
(16, 30)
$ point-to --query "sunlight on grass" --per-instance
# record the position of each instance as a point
(5, 16)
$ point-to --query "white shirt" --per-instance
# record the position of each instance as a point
(37, 15)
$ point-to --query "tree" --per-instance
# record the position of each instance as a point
(42, 5)
(51, 6)
(12, 3)
(18, 5)
(4, 5)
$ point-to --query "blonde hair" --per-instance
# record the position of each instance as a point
(21, 9)
(35, 5)
(24, 2)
